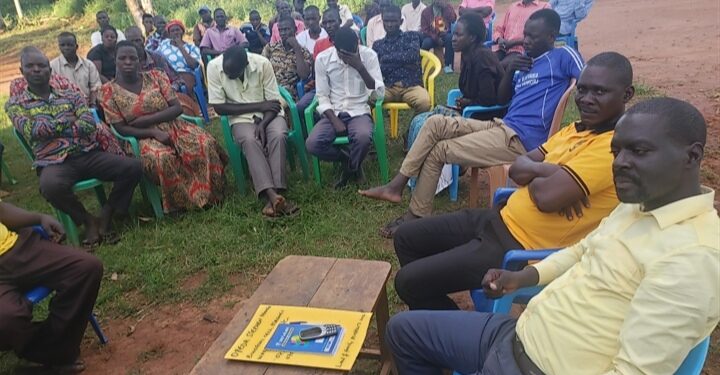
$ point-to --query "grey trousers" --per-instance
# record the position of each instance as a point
(266, 164)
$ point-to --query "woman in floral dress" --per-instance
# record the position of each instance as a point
(184, 160)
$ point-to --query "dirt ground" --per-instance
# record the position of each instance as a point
(673, 47)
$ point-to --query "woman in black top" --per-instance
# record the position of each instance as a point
(480, 71)
(103, 55)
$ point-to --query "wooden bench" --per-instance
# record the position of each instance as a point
(343, 284)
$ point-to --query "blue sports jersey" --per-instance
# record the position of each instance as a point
(537, 93)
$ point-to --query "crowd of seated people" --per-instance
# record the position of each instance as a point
(618, 191)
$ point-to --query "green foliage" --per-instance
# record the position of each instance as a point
(68, 8)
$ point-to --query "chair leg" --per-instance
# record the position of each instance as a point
(8, 176)
(394, 123)
(474, 188)
(98, 330)
(100, 194)
(235, 162)
(153, 196)
(316, 170)
(71, 230)
(455, 185)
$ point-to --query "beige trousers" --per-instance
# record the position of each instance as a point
(416, 97)
(455, 140)
(267, 165)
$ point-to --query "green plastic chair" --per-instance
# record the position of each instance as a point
(295, 141)
(71, 229)
(378, 140)
(149, 190)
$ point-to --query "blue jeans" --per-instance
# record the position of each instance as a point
(429, 43)
(425, 342)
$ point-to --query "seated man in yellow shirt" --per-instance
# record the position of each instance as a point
(633, 297)
(28, 261)
(566, 189)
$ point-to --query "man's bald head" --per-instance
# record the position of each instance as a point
(29, 51)
(35, 67)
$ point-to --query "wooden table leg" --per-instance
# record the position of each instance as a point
(382, 315)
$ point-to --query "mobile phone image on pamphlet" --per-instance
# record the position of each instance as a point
(287, 338)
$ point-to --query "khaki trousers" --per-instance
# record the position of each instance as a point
(416, 97)
(455, 140)
(267, 165)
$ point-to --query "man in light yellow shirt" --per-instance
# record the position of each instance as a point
(243, 87)
(80, 71)
(633, 297)
(27, 261)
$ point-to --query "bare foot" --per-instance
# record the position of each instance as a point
(383, 193)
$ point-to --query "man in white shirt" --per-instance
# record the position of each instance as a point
(313, 32)
(345, 76)
(103, 20)
(82, 72)
(411, 13)
(375, 28)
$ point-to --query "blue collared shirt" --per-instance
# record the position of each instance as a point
(538, 92)
(399, 57)
(571, 12)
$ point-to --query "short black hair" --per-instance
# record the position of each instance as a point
(254, 11)
(99, 12)
(235, 53)
(287, 19)
(127, 43)
(392, 9)
(684, 123)
(346, 39)
(331, 10)
(146, 16)
(549, 17)
(615, 62)
(67, 34)
(474, 25)
(312, 8)
(218, 10)
(106, 28)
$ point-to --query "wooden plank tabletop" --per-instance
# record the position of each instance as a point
(343, 284)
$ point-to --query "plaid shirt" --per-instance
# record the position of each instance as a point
(56, 127)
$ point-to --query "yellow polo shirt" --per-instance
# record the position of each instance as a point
(7, 238)
(259, 85)
(586, 157)
(633, 297)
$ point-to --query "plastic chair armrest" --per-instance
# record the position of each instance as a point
(193, 120)
(470, 110)
(502, 194)
(514, 257)
(452, 97)
(310, 115)
(129, 139)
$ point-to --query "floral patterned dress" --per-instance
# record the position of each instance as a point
(191, 171)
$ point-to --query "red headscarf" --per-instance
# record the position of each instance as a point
(174, 23)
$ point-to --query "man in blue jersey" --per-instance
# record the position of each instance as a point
(535, 83)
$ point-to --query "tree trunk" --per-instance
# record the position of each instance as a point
(2, 22)
(18, 8)
(136, 11)
(147, 6)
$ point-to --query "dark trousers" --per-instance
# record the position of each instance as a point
(359, 131)
(429, 43)
(448, 253)
(425, 342)
(56, 181)
(72, 273)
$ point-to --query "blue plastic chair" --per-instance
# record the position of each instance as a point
(452, 97)
(39, 293)
(358, 21)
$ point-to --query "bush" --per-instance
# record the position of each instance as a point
(68, 8)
